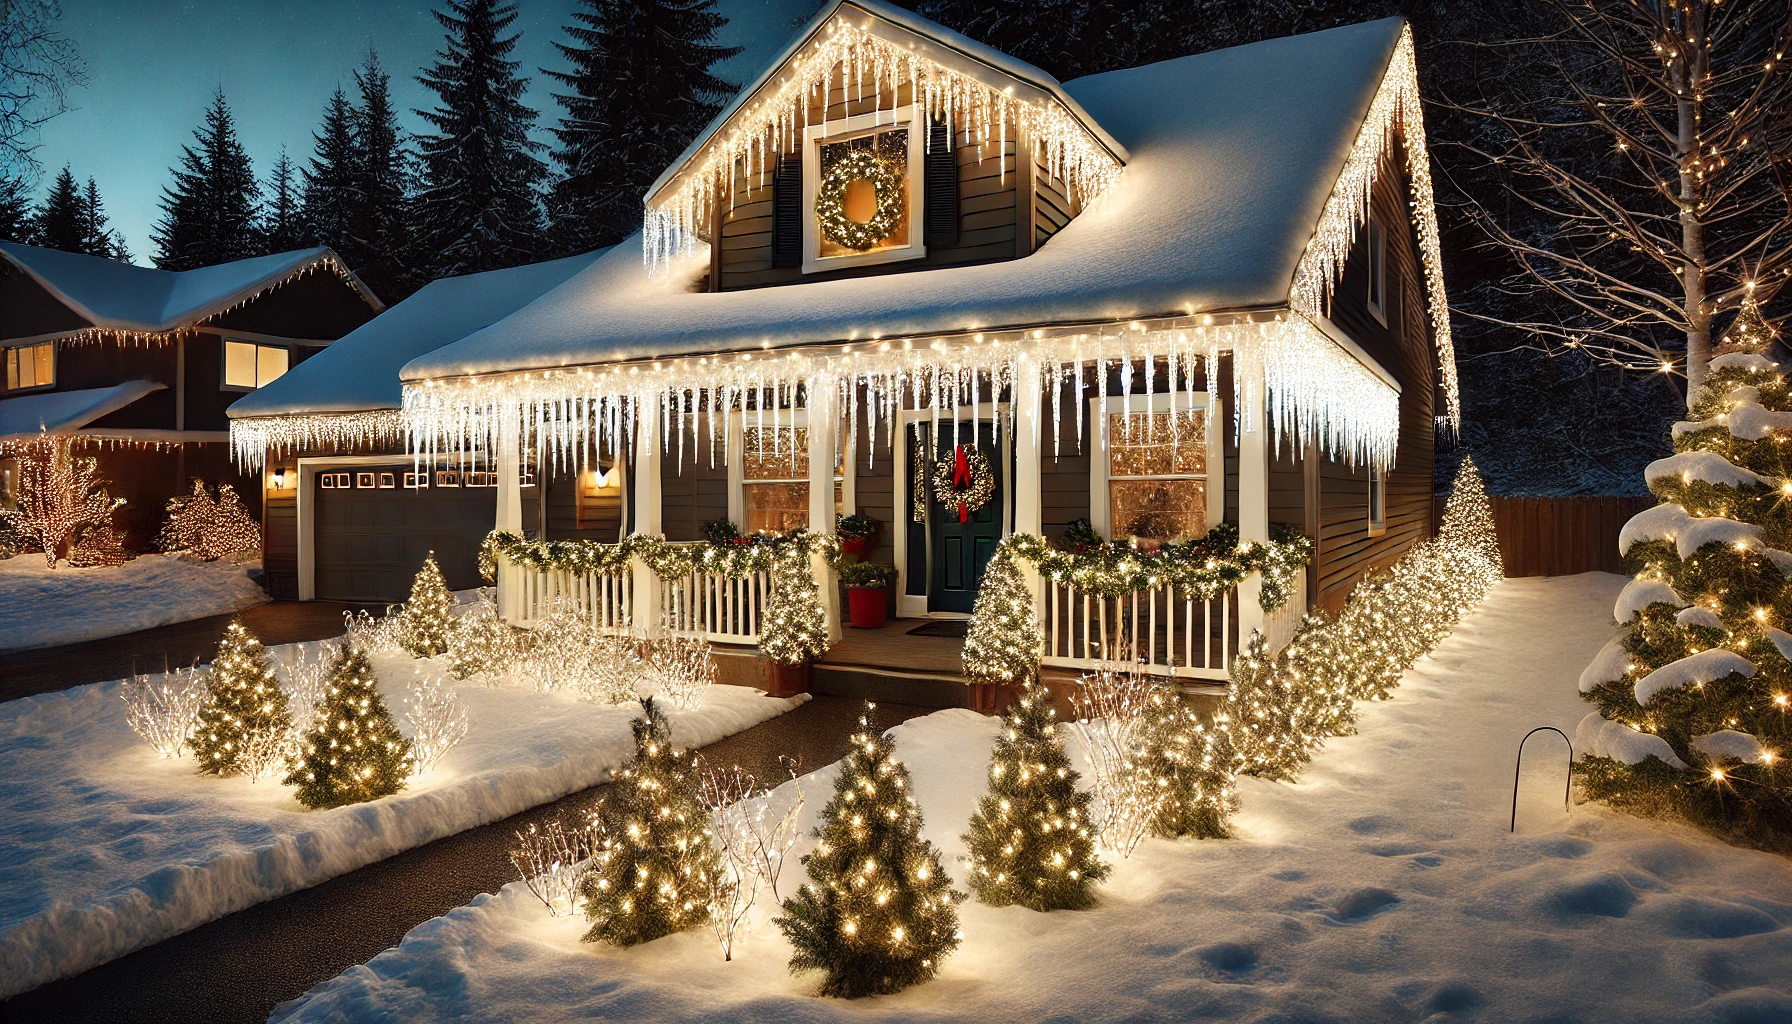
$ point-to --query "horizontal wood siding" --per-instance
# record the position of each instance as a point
(874, 470)
(320, 306)
(1064, 480)
(562, 519)
(1404, 348)
(693, 494)
(1052, 206)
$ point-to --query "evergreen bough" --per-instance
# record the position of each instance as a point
(1032, 840)
(796, 626)
(650, 875)
(878, 914)
(428, 613)
(353, 751)
(244, 700)
(1003, 642)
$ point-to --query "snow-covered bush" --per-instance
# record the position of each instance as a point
(481, 645)
(210, 528)
(307, 671)
(438, 720)
(373, 634)
(163, 708)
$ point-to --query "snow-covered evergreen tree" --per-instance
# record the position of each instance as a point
(245, 708)
(1040, 32)
(479, 205)
(379, 210)
(328, 193)
(640, 89)
(1693, 706)
(282, 228)
(878, 913)
(650, 874)
(1032, 840)
(353, 751)
(209, 214)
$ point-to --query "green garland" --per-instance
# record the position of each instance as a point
(744, 556)
(830, 199)
(1214, 563)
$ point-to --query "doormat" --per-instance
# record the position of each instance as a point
(953, 629)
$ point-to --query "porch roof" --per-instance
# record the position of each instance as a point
(1233, 156)
(59, 412)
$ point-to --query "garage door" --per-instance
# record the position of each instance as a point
(375, 524)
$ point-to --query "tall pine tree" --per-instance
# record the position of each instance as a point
(97, 236)
(15, 209)
(479, 205)
(282, 230)
(379, 206)
(328, 204)
(58, 222)
(209, 213)
(641, 89)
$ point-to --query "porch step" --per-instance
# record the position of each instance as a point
(867, 682)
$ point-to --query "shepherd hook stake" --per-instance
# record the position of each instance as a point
(1519, 764)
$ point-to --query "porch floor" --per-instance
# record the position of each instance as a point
(891, 647)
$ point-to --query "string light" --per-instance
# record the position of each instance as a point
(61, 502)
(427, 613)
(245, 727)
(254, 439)
(210, 528)
(353, 751)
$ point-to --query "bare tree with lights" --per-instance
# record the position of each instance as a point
(60, 496)
(1647, 190)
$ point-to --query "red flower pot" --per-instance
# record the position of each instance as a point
(852, 545)
(783, 680)
(867, 606)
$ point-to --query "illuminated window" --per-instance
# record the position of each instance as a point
(861, 188)
(1378, 264)
(1378, 502)
(600, 498)
(31, 366)
(1157, 480)
(775, 478)
(248, 365)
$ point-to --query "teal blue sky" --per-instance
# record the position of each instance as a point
(153, 67)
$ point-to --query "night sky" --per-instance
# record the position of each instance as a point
(153, 67)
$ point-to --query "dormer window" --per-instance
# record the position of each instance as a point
(862, 190)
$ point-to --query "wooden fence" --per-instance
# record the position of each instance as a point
(1562, 536)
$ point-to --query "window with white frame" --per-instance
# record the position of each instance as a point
(31, 366)
(1378, 271)
(249, 365)
(861, 186)
(1378, 501)
(774, 477)
(1156, 463)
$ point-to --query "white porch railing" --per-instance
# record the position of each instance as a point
(724, 610)
(1170, 631)
(607, 602)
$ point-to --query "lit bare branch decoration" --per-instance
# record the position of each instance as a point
(754, 829)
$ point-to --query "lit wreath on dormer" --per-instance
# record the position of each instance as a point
(889, 186)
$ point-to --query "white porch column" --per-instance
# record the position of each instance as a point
(510, 517)
(647, 518)
(1028, 514)
(1253, 490)
(823, 397)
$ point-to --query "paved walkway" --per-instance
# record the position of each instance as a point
(24, 673)
(239, 968)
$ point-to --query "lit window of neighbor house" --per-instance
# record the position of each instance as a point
(31, 366)
(249, 365)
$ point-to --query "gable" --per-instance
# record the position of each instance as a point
(320, 307)
(31, 310)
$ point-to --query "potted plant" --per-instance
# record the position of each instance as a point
(865, 583)
(858, 534)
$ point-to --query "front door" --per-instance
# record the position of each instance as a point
(960, 550)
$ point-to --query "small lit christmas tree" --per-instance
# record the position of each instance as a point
(877, 914)
(1003, 642)
(1032, 840)
(353, 751)
(796, 625)
(650, 875)
(1468, 515)
(245, 709)
(1192, 768)
(429, 612)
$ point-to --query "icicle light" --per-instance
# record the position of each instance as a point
(847, 61)
(252, 438)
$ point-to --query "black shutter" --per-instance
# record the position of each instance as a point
(940, 167)
(787, 212)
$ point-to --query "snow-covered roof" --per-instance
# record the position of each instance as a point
(1233, 155)
(125, 297)
(926, 39)
(360, 370)
(57, 412)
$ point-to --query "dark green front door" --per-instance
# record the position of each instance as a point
(960, 550)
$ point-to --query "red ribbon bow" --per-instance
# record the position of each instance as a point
(961, 478)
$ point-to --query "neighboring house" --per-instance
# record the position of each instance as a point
(141, 363)
(348, 515)
(1205, 290)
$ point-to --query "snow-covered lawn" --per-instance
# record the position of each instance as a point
(1383, 886)
(44, 607)
(106, 848)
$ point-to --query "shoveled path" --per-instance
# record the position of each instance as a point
(239, 968)
(23, 673)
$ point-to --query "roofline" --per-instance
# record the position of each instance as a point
(904, 21)
(325, 257)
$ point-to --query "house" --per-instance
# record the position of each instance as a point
(905, 275)
(139, 364)
(347, 514)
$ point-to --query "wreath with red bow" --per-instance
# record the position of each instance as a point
(966, 481)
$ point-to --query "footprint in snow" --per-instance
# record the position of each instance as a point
(1372, 825)
(1603, 895)
(1230, 957)
(1364, 903)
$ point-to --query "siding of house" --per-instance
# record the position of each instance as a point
(30, 309)
(319, 306)
(693, 494)
(1404, 347)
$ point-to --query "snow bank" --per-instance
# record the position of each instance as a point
(1596, 737)
(1659, 523)
(106, 848)
(1706, 467)
(1640, 593)
(1743, 361)
(1609, 666)
(1693, 670)
(1728, 743)
(1697, 616)
(1382, 887)
(42, 607)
